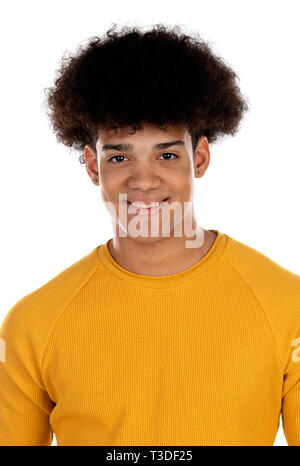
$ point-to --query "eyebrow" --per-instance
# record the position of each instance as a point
(129, 147)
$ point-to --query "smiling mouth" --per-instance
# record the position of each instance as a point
(149, 210)
(164, 200)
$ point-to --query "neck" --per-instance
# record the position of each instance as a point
(159, 255)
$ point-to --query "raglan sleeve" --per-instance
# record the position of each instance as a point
(291, 395)
(25, 406)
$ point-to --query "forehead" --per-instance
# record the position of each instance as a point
(148, 132)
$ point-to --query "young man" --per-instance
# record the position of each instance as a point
(167, 334)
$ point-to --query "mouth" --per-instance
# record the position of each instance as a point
(146, 210)
(164, 200)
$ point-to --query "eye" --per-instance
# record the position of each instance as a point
(169, 153)
(116, 156)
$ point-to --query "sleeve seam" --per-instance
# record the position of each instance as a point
(264, 313)
(61, 313)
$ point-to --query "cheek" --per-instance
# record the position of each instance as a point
(182, 185)
(110, 184)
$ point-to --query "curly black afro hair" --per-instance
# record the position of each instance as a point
(161, 76)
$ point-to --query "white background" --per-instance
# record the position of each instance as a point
(51, 212)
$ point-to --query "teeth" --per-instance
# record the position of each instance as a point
(142, 205)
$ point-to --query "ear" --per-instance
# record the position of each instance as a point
(91, 163)
(201, 157)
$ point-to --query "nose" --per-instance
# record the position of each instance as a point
(143, 178)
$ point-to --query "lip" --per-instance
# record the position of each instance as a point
(147, 201)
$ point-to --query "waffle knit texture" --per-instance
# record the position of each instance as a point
(100, 355)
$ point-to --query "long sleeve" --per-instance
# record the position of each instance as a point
(24, 404)
(291, 397)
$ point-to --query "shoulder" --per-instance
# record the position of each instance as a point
(28, 323)
(276, 288)
(260, 270)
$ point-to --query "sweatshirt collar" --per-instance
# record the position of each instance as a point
(162, 281)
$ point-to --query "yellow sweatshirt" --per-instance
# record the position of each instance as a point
(103, 356)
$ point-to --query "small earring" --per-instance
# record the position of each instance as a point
(95, 180)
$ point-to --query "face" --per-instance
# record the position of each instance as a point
(149, 165)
